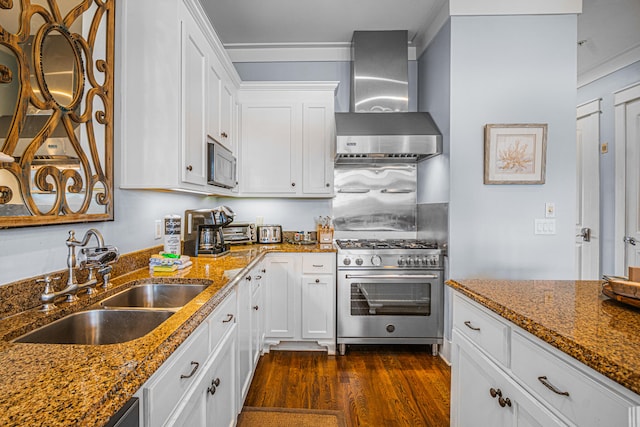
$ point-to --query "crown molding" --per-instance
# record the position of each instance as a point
(514, 7)
(611, 65)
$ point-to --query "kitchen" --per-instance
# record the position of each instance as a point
(515, 251)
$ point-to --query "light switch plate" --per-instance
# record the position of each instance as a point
(545, 226)
(158, 229)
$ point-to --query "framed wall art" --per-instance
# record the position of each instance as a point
(515, 153)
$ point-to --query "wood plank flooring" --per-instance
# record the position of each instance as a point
(372, 385)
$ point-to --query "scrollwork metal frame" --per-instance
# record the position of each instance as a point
(94, 170)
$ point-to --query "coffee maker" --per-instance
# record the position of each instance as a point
(203, 231)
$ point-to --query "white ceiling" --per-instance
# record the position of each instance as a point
(611, 28)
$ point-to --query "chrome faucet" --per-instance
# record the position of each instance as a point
(95, 258)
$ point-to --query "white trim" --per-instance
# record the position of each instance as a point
(588, 108)
(611, 65)
(295, 52)
(430, 30)
(514, 7)
(621, 98)
(627, 94)
(289, 86)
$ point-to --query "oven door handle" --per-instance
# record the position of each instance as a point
(391, 276)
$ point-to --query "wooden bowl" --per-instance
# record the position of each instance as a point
(626, 288)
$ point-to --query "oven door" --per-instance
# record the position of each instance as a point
(377, 306)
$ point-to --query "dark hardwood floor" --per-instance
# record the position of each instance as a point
(372, 385)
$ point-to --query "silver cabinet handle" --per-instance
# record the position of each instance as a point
(396, 190)
(195, 365)
(468, 324)
(229, 318)
(258, 277)
(318, 265)
(551, 387)
(354, 190)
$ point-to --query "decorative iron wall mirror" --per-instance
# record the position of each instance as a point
(56, 111)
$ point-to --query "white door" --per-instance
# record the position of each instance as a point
(588, 192)
(627, 123)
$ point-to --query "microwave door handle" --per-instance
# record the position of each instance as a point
(391, 276)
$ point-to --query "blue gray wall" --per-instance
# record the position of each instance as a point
(604, 88)
(512, 69)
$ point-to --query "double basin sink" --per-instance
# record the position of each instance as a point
(123, 317)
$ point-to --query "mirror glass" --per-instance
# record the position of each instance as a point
(56, 111)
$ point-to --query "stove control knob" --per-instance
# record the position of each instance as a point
(425, 261)
(409, 261)
(401, 261)
(359, 261)
(376, 260)
(346, 261)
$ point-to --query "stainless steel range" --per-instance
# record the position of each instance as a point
(390, 292)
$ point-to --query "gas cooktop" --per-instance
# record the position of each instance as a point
(386, 244)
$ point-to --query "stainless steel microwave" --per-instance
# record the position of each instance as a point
(221, 165)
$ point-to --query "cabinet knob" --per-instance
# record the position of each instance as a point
(224, 135)
(493, 392)
(504, 402)
(255, 307)
(248, 278)
(189, 168)
(317, 280)
(214, 384)
(327, 185)
(293, 184)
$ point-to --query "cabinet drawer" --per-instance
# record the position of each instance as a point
(222, 319)
(164, 391)
(318, 263)
(486, 331)
(588, 403)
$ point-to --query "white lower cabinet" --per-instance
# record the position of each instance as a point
(249, 329)
(212, 400)
(196, 386)
(494, 360)
(482, 395)
(300, 301)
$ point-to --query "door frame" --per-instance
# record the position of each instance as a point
(620, 100)
(583, 111)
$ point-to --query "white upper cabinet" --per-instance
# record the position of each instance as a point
(179, 88)
(287, 139)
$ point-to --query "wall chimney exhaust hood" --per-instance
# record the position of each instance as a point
(379, 128)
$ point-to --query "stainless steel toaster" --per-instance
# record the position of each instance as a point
(269, 234)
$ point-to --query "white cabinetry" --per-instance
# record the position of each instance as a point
(545, 387)
(179, 87)
(250, 328)
(288, 135)
(196, 386)
(300, 301)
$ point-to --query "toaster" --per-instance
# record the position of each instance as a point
(269, 234)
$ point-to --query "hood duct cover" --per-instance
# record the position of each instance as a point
(379, 127)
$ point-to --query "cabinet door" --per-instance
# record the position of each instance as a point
(270, 148)
(317, 147)
(195, 51)
(318, 306)
(477, 387)
(257, 323)
(214, 97)
(227, 106)
(245, 336)
(281, 282)
(212, 401)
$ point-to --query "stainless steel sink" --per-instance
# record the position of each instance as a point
(98, 327)
(154, 296)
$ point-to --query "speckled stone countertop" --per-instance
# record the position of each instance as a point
(65, 385)
(572, 316)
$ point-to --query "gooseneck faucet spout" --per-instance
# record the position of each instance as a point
(72, 243)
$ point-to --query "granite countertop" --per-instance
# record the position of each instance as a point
(572, 316)
(48, 384)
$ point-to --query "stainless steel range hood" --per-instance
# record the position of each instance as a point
(379, 127)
